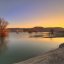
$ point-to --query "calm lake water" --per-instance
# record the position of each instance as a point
(19, 47)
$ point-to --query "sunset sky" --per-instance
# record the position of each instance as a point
(30, 13)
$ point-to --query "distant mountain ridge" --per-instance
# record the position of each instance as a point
(35, 29)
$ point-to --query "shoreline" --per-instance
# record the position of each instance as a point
(52, 57)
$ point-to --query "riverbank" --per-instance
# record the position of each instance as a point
(52, 57)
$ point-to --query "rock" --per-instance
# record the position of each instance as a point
(61, 45)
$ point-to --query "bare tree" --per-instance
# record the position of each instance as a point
(3, 25)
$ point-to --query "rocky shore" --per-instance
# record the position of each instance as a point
(52, 57)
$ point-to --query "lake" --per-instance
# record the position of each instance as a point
(20, 46)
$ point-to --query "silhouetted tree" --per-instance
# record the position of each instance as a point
(3, 25)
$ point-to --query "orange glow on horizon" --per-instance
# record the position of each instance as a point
(43, 22)
(50, 20)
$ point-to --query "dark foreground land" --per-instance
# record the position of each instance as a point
(51, 57)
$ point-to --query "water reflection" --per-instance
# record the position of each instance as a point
(3, 44)
(21, 47)
(42, 35)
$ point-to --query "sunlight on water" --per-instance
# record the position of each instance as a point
(18, 47)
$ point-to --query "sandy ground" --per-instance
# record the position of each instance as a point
(51, 57)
